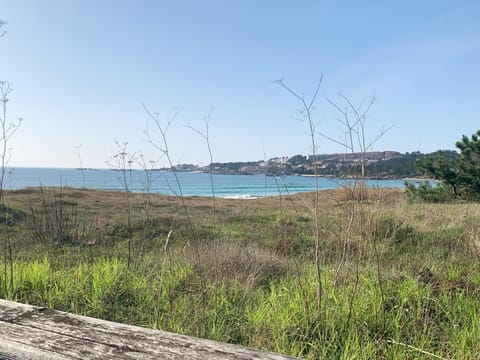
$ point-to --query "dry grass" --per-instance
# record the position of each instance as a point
(111, 204)
(248, 265)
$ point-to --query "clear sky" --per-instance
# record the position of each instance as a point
(80, 70)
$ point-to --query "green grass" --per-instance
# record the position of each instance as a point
(280, 317)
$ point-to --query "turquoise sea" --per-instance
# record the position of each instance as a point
(191, 183)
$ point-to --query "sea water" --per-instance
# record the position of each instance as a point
(168, 183)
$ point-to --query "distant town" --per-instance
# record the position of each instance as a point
(378, 165)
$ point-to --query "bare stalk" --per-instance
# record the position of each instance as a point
(146, 181)
(122, 161)
(306, 110)
(162, 146)
(353, 121)
(205, 134)
(7, 130)
(78, 150)
(421, 351)
(160, 310)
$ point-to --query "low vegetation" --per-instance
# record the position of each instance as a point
(408, 286)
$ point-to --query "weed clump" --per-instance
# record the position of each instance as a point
(248, 265)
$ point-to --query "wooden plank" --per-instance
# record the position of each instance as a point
(30, 332)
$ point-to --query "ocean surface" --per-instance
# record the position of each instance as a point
(191, 183)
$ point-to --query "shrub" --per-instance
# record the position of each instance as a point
(58, 220)
(11, 215)
(426, 192)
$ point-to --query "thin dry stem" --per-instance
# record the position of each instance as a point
(391, 341)
(306, 113)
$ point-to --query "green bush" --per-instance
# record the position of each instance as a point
(462, 173)
(426, 192)
(11, 215)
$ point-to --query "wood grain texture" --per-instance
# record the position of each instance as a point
(30, 332)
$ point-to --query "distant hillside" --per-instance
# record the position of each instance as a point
(379, 164)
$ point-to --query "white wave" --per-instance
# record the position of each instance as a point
(241, 197)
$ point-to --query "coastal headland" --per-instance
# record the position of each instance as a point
(378, 165)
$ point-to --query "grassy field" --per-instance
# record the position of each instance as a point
(398, 280)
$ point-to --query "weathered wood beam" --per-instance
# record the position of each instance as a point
(32, 332)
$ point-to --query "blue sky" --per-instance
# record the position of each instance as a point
(80, 71)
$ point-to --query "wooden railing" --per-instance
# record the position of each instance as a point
(32, 332)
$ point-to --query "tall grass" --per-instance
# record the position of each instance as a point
(443, 320)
